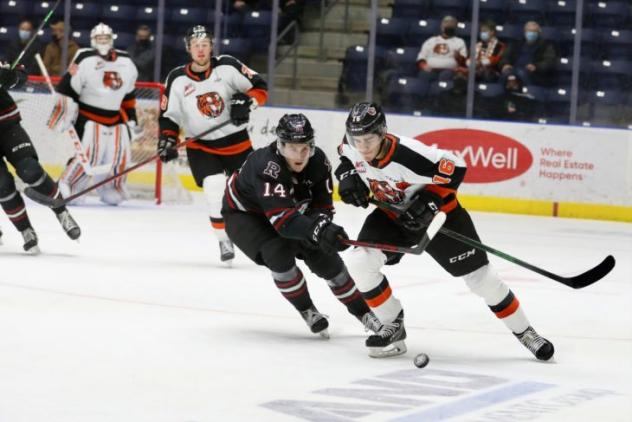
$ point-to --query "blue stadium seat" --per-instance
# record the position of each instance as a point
(522, 11)
(558, 104)
(8, 33)
(403, 60)
(147, 14)
(509, 32)
(354, 70)
(564, 72)
(605, 106)
(113, 12)
(419, 31)
(391, 32)
(495, 10)
(124, 40)
(81, 37)
(240, 48)
(187, 16)
(611, 74)
(257, 25)
(539, 94)
(456, 8)
(411, 9)
(609, 14)
(590, 42)
(40, 8)
(231, 25)
(406, 94)
(464, 31)
(15, 9)
(489, 90)
(617, 44)
(85, 15)
(561, 13)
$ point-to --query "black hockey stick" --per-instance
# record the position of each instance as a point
(56, 202)
(577, 282)
(433, 228)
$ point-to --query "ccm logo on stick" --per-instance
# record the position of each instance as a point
(463, 256)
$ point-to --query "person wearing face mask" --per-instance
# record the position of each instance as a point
(53, 51)
(142, 54)
(488, 53)
(442, 55)
(16, 46)
(532, 59)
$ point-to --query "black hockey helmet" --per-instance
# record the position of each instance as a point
(295, 129)
(197, 32)
(365, 118)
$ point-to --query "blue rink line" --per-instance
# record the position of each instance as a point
(470, 404)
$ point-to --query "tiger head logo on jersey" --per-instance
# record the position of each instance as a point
(441, 49)
(384, 192)
(210, 104)
(112, 80)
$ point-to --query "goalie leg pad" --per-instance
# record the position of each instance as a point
(112, 148)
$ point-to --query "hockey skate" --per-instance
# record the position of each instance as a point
(227, 250)
(30, 241)
(389, 341)
(370, 322)
(541, 348)
(316, 321)
(69, 224)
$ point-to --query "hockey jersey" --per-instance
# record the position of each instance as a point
(265, 185)
(408, 166)
(196, 102)
(104, 87)
(9, 112)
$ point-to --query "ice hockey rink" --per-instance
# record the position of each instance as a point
(140, 322)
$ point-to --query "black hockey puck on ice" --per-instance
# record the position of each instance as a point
(421, 360)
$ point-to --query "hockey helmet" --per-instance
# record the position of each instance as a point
(197, 32)
(102, 39)
(365, 118)
(295, 129)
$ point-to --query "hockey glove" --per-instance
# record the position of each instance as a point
(12, 78)
(351, 188)
(421, 209)
(328, 236)
(167, 150)
(240, 108)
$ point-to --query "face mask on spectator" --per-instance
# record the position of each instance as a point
(485, 36)
(449, 31)
(24, 35)
(531, 36)
(145, 42)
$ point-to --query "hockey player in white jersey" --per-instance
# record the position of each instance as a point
(204, 93)
(97, 96)
(418, 180)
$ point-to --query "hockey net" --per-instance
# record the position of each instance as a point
(154, 181)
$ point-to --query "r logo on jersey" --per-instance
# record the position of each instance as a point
(210, 104)
(112, 80)
(272, 169)
(385, 192)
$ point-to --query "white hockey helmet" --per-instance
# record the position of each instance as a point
(106, 38)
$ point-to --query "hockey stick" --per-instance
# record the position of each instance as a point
(577, 282)
(433, 228)
(58, 202)
(71, 132)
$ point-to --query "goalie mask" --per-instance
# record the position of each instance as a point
(365, 118)
(195, 33)
(102, 39)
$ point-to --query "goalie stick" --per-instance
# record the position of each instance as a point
(577, 282)
(433, 228)
(59, 202)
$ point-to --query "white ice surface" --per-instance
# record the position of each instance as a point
(140, 322)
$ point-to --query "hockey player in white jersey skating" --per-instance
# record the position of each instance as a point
(204, 93)
(97, 95)
(419, 181)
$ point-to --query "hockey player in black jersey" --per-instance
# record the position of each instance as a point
(278, 207)
(419, 181)
(17, 149)
(204, 93)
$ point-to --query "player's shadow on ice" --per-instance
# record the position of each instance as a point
(26, 255)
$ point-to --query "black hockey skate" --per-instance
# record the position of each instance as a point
(316, 321)
(389, 341)
(30, 241)
(69, 224)
(541, 348)
(226, 250)
(370, 322)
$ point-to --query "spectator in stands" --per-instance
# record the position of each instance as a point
(444, 54)
(16, 46)
(53, 52)
(531, 59)
(243, 6)
(142, 53)
(451, 102)
(488, 53)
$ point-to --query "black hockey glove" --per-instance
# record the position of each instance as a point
(167, 150)
(328, 236)
(351, 188)
(240, 108)
(12, 78)
(422, 208)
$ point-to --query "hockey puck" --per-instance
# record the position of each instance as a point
(421, 360)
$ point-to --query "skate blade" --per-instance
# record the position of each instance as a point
(35, 250)
(324, 334)
(394, 349)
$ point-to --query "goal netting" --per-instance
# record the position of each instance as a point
(154, 181)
